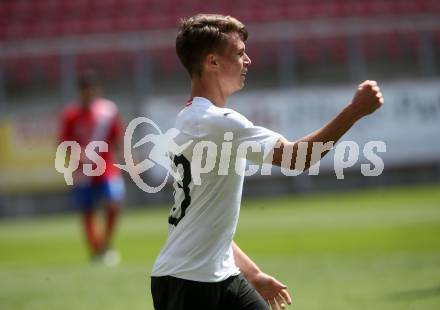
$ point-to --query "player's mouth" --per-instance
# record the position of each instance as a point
(243, 74)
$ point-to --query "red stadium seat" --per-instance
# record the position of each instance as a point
(323, 9)
(306, 50)
(337, 49)
(380, 7)
(17, 70)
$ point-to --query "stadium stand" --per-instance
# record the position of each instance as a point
(45, 18)
(36, 20)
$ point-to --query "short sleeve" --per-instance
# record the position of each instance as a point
(255, 142)
(252, 142)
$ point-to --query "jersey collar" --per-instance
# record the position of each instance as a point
(201, 101)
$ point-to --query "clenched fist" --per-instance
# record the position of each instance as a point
(367, 98)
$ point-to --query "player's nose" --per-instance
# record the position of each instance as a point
(247, 60)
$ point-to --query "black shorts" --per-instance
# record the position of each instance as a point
(234, 293)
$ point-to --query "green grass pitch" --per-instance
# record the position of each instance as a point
(373, 249)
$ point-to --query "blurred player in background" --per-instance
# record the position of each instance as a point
(200, 266)
(96, 119)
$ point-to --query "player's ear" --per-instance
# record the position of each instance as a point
(211, 62)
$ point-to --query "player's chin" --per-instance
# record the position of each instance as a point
(242, 82)
(240, 87)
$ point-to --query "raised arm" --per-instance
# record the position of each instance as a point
(272, 290)
(366, 100)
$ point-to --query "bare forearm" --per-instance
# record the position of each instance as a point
(270, 289)
(328, 134)
(334, 129)
(249, 269)
(311, 148)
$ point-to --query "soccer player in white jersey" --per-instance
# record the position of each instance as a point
(200, 266)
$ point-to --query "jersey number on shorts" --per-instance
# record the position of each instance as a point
(181, 160)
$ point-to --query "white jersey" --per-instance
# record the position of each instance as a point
(203, 220)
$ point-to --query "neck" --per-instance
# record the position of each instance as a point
(211, 90)
(85, 104)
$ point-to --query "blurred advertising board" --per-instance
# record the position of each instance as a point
(27, 153)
